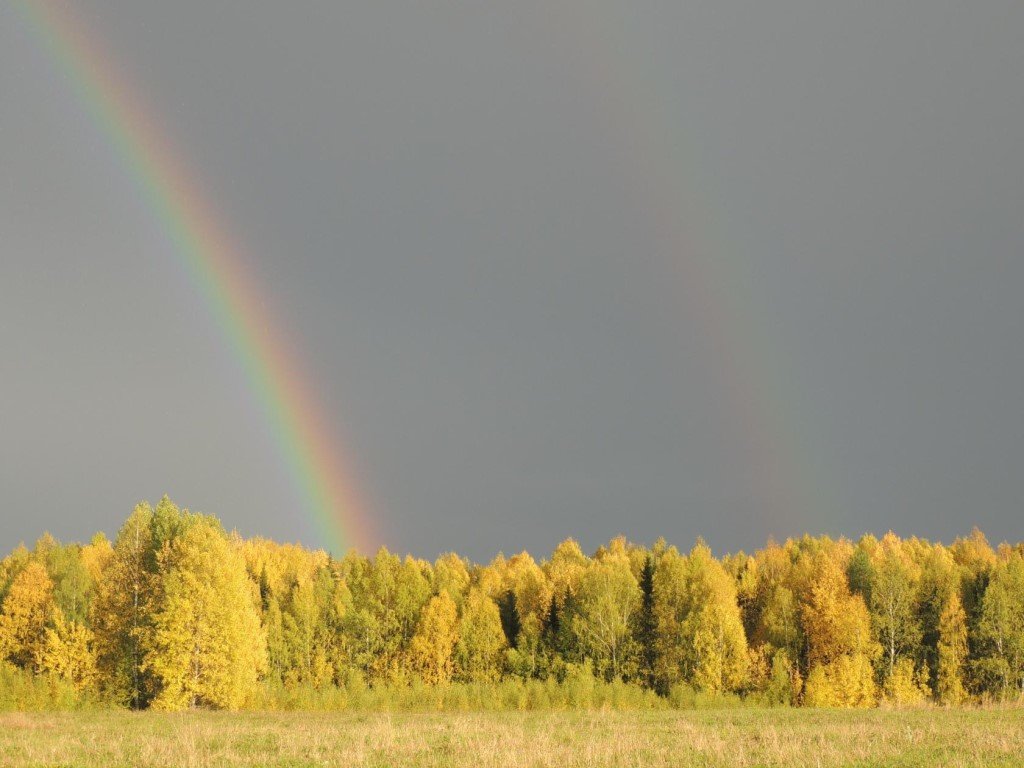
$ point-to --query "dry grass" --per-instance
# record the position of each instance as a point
(742, 737)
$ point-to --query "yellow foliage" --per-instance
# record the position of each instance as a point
(178, 614)
(481, 643)
(784, 683)
(565, 568)
(818, 689)
(840, 647)
(69, 654)
(281, 565)
(907, 686)
(835, 622)
(952, 651)
(26, 613)
(848, 681)
(117, 610)
(699, 635)
(600, 613)
(430, 650)
(451, 575)
(206, 646)
(532, 590)
(96, 556)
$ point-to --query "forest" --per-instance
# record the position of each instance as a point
(177, 613)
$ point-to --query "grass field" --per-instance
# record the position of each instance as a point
(741, 737)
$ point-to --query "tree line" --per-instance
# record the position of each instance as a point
(178, 613)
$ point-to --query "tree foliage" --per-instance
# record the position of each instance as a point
(952, 652)
(177, 613)
(205, 645)
(28, 610)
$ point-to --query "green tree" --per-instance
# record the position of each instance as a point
(860, 572)
(1001, 629)
(304, 630)
(601, 613)
(893, 607)
(72, 583)
(646, 626)
(387, 597)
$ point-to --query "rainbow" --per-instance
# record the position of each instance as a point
(606, 51)
(217, 268)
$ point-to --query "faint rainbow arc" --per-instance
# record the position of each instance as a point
(318, 466)
(749, 364)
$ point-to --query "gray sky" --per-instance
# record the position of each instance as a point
(728, 269)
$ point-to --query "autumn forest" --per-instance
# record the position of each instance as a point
(178, 613)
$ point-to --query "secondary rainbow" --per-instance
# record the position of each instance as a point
(606, 49)
(215, 264)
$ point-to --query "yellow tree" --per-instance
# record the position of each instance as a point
(892, 602)
(527, 581)
(11, 566)
(669, 612)
(96, 556)
(940, 578)
(565, 568)
(277, 567)
(430, 650)
(206, 646)
(387, 596)
(713, 630)
(906, 684)
(118, 610)
(69, 653)
(277, 647)
(771, 619)
(526, 606)
(952, 651)
(976, 560)
(27, 611)
(306, 632)
(481, 643)
(840, 647)
(451, 575)
(601, 611)
(699, 633)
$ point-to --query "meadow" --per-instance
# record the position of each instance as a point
(728, 737)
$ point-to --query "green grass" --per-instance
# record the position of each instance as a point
(736, 737)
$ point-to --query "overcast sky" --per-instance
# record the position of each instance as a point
(730, 269)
